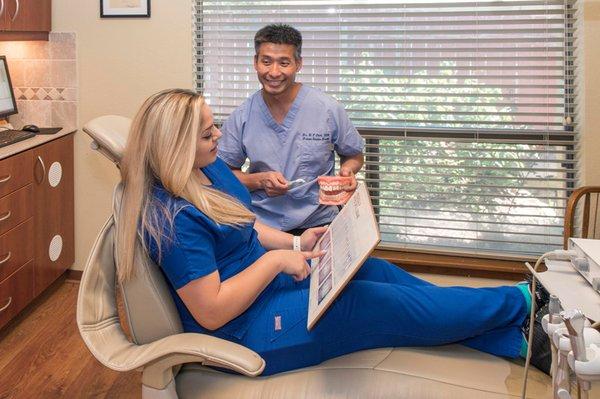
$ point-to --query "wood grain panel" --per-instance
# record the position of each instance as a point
(15, 208)
(53, 210)
(16, 172)
(455, 264)
(28, 15)
(16, 248)
(23, 36)
(16, 292)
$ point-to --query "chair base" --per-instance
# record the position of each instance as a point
(452, 371)
(168, 393)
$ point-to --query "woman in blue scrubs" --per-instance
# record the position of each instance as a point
(238, 279)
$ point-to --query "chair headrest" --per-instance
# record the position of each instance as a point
(109, 133)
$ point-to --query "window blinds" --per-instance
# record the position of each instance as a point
(467, 107)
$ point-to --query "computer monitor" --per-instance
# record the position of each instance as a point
(8, 105)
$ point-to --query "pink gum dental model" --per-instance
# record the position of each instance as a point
(332, 189)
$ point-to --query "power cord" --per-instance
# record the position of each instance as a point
(558, 254)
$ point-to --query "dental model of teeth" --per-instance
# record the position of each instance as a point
(332, 189)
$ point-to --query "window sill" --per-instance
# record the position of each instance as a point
(413, 261)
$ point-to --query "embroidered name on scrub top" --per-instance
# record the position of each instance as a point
(311, 136)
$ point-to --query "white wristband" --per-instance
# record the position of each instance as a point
(297, 243)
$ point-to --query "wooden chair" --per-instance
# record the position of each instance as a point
(582, 217)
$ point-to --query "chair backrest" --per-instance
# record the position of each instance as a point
(149, 308)
(581, 217)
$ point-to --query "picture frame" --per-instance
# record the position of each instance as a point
(124, 8)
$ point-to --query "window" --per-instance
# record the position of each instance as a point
(467, 107)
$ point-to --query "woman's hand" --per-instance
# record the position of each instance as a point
(295, 263)
(309, 238)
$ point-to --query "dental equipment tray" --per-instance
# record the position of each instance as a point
(572, 288)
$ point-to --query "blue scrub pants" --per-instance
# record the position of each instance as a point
(384, 306)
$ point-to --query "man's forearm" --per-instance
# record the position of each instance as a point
(252, 181)
(354, 162)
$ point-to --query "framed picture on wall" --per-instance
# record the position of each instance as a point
(124, 8)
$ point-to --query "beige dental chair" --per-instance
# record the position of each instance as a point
(176, 364)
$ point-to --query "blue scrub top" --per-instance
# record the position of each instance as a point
(301, 147)
(198, 246)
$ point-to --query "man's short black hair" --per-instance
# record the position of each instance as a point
(279, 34)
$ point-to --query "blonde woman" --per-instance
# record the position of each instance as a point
(238, 279)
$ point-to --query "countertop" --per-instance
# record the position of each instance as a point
(31, 142)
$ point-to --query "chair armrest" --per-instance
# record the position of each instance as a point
(209, 351)
(110, 346)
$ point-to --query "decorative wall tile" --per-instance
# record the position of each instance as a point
(69, 93)
(62, 46)
(63, 73)
(37, 112)
(36, 73)
(45, 93)
(64, 114)
(44, 77)
(27, 50)
(17, 72)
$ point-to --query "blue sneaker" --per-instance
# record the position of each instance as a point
(541, 354)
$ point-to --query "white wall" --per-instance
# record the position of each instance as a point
(120, 62)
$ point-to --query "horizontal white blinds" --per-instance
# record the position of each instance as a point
(476, 195)
(468, 106)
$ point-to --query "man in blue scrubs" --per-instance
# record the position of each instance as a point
(288, 131)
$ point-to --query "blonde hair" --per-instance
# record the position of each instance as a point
(162, 147)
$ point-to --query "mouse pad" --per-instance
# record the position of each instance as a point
(49, 130)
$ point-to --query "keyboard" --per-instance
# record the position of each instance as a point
(8, 137)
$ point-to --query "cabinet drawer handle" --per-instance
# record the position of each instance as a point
(41, 161)
(7, 304)
(7, 177)
(5, 216)
(6, 258)
(1, 7)
(16, 11)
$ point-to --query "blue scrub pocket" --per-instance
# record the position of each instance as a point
(316, 158)
(290, 311)
(284, 321)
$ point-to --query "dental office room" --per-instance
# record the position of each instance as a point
(382, 199)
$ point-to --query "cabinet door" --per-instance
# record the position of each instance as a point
(15, 293)
(27, 15)
(4, 20)
(53, 210)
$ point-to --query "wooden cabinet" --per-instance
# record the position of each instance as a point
(36, 222)
(17, 248)
(27, 15)
(25, 19)
(16, 292)
(53, 215)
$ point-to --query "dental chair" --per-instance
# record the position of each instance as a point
(188, 365)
